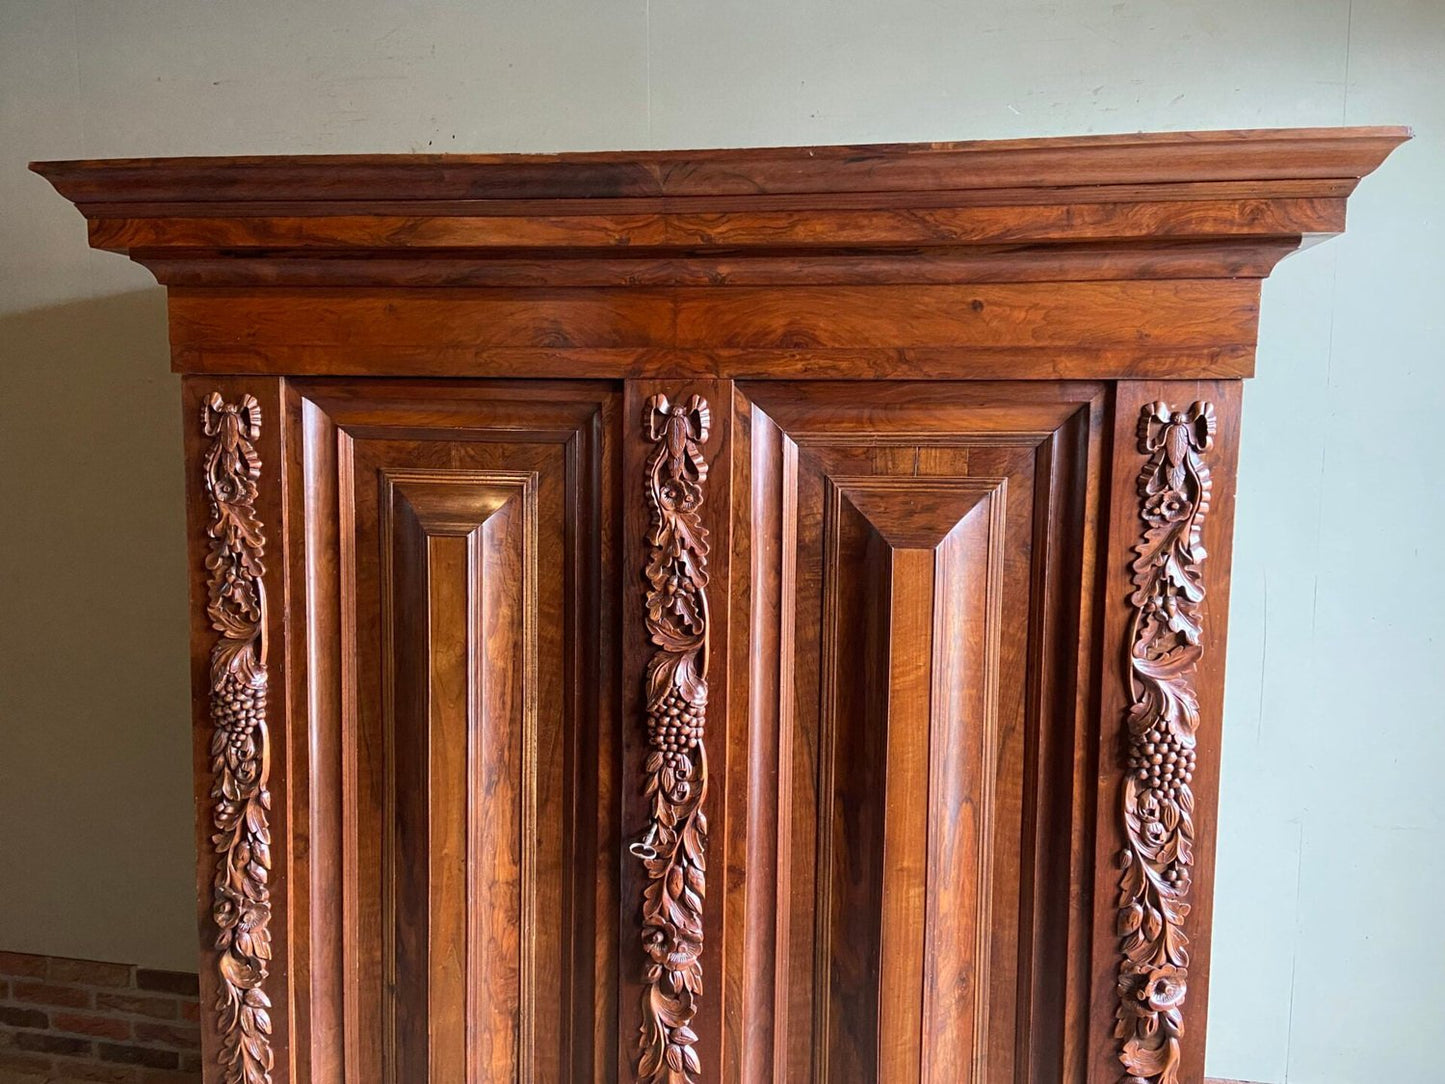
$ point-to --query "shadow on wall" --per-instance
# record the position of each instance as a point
(94, 717)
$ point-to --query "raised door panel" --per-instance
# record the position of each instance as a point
(908, 639)
(459, 564)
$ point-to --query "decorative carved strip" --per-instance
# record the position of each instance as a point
(673, 850)
(240, 754)
(1165, 640)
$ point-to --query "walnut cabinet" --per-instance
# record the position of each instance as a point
(714, 616)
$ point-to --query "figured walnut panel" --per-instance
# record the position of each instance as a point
(371, 319)
(940, 265)
(1046, 362)
(1089, 216)
(911, 614)
(1012, 330)
(1146, 316)
(475, 733)
(916, 563)
(459, 605)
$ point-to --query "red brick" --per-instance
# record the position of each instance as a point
(19, 1060)
(141, 1027)
(139, 1055)
(101, 1027)
(184, 983)
(22, 964)
(17, 1017)
(157, 1008)
(74, 1071)
(89, 972)
(40, 993)
(161, 1076)
(176, 1035)
(41, 1042)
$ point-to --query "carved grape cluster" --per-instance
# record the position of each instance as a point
(677, 727)
(1163, 763)
(240, 711)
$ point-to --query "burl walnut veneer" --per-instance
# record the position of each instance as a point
(714, 616)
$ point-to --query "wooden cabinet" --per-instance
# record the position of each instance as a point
(714, 616)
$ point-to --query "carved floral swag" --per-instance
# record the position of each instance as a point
(240, 754)
(673, 850)
(1158, 802)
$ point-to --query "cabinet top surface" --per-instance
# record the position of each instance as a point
(1137, 159)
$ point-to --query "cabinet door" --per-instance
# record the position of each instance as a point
(458, 572)
(911, 605)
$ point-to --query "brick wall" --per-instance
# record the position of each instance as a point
(65, 1021)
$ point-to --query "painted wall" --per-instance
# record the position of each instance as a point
(1329, 967)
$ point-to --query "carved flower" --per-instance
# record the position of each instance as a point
(224, 911)
(1132, 983)
(680, 495)
(253, 916)
(1166, 506)
(1164, 989)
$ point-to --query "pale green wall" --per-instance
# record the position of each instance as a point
(1329, 965)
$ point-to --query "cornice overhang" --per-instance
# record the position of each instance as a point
(1147, 209)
